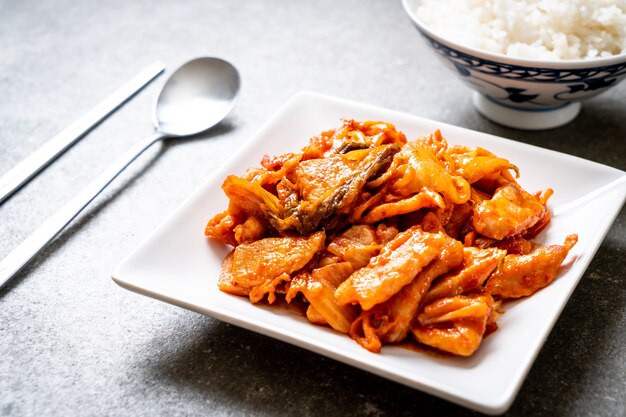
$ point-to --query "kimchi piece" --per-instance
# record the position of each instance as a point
(510, 212)
(477, 265)
(397, 265)
(523, 275)
(360, 243)
(331, 186)
(455, 324)
(419, 177)
(386, 239)
(318, 288)
(258, 268)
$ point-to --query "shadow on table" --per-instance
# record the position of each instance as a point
(261, 376)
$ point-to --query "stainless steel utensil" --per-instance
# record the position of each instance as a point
(195, 98)
(36, 161)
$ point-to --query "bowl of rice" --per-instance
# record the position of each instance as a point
(529, 62)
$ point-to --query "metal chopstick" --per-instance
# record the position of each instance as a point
(39, 159)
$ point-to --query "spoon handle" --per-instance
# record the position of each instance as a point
(31, 246)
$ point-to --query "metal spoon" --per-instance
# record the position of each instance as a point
(196, 97)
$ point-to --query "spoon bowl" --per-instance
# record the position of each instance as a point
(196, 97)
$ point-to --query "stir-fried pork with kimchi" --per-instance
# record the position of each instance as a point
(386, 239)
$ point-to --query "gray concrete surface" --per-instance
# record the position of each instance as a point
(74, 343)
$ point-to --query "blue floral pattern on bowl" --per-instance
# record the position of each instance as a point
(528, 88)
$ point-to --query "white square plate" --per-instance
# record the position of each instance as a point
(178, 265)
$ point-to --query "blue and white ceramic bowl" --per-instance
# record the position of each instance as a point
(524, 93)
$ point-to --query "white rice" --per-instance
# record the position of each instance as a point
(535, 29)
